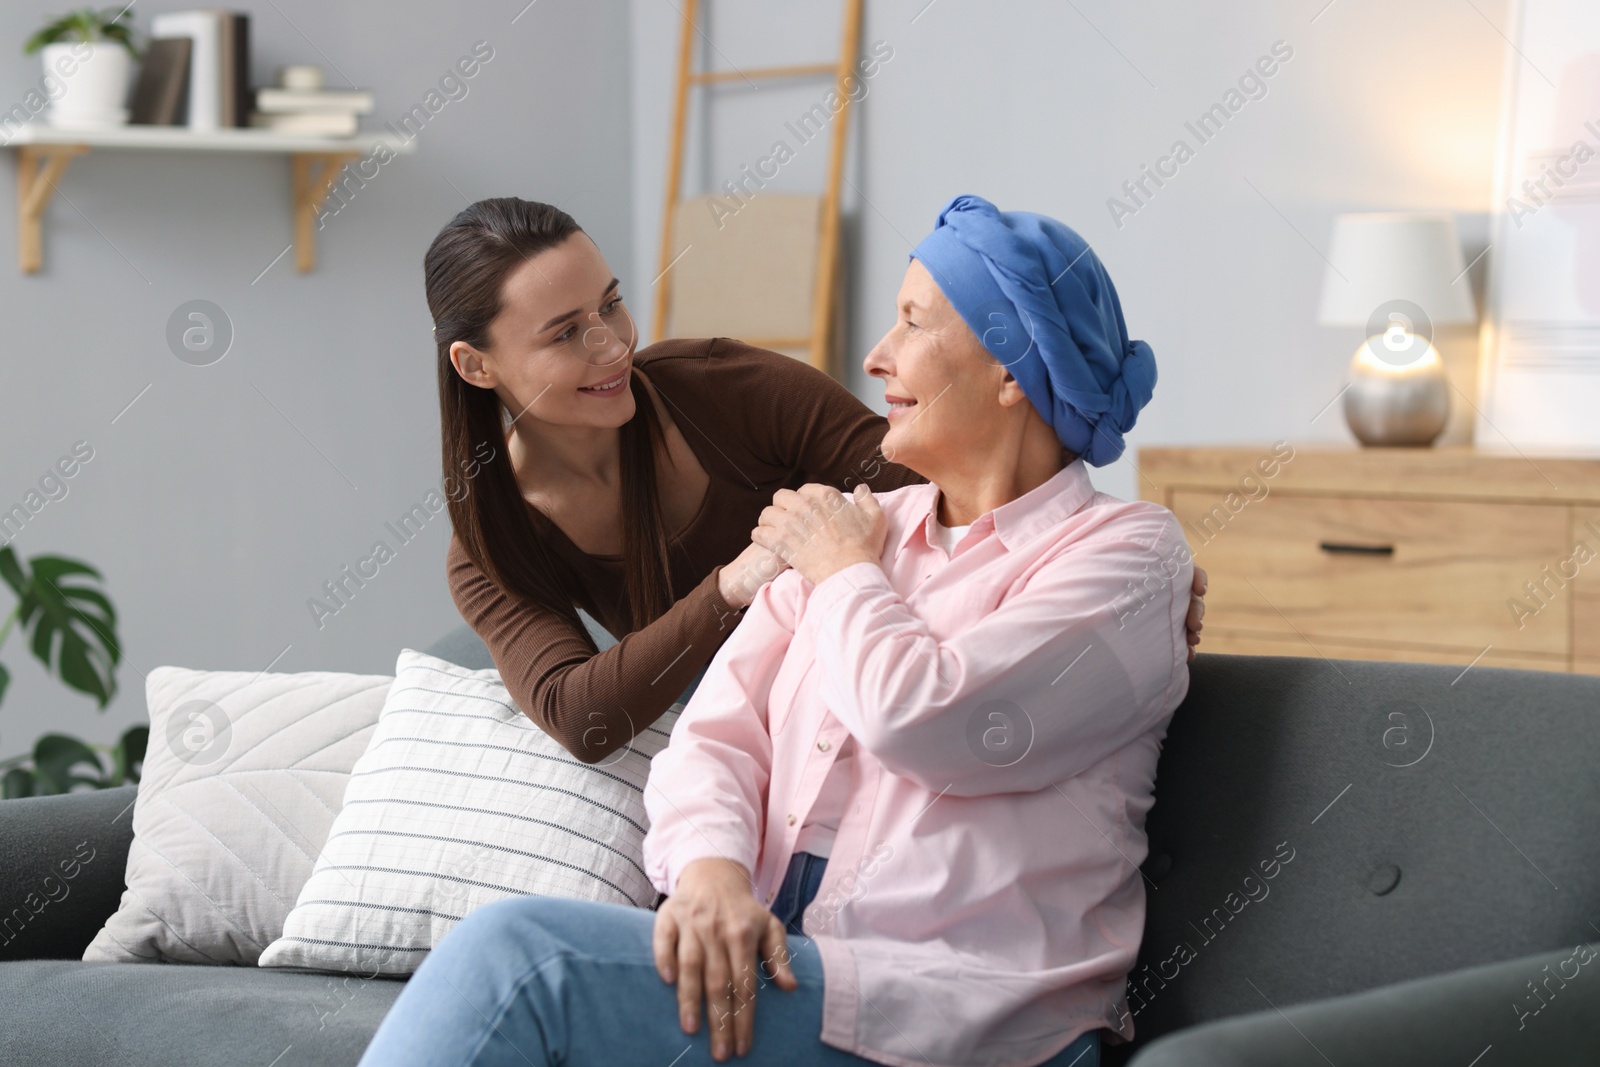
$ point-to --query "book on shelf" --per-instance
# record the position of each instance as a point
(313, 123)
(277, 101)
(219, 65)
(235, 74)
(160, 95)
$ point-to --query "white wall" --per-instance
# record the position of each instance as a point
(219, 503)
(1049, 107)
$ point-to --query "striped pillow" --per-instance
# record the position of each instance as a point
(460, 800)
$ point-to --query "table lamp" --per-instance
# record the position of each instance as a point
(1397, 275)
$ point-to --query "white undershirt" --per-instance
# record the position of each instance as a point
(947, 536)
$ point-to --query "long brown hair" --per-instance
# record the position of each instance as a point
(466, 267)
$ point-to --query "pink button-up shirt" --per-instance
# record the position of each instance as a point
(983, 902)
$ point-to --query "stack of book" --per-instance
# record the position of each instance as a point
(204, 84)
(318, 112)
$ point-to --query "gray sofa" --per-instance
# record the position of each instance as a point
(1351, 863)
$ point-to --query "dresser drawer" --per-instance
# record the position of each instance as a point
(1383, 572)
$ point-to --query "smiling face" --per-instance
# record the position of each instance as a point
(561, 331)
(956, 391)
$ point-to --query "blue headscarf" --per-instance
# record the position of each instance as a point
(1043, 305)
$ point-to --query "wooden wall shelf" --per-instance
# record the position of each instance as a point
(43, 153)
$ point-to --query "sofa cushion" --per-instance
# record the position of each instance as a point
(241, 781)
(64, 857)
(1323, 827)
(460, 800)
(70, 1013)
(1539, 1009)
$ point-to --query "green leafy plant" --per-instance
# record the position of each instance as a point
(59, 762)
(74, 634)
(87, 24)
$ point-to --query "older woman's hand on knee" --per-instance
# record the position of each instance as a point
(709, 936)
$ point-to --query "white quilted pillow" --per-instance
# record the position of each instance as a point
(241, 782)
(460, 800)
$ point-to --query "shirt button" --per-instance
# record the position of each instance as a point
(822, 746)
(791, 819)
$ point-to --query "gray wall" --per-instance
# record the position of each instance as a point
(221, 500)
(1050, 107)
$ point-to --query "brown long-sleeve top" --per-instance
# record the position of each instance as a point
(758, 421)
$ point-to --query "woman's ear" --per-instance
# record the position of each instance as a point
(470, 364)
(1010, 391)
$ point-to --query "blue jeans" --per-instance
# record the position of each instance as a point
(544, 980)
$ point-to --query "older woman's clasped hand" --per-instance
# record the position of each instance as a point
(818, 530)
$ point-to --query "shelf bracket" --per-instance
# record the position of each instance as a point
(314, 175)
(39, 168)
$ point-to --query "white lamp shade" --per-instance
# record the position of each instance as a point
(1395, 256)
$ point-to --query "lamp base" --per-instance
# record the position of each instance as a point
(1389, 405)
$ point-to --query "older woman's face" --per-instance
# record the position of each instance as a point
(931, 358)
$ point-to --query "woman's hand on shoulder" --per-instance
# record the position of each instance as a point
(709, 936)
(1197, 610)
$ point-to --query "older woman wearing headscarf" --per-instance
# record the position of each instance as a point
(909, 792)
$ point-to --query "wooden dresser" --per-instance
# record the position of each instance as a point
(1434, 555)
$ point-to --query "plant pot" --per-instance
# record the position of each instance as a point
(94, 93)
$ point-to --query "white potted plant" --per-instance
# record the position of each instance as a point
(88, 55)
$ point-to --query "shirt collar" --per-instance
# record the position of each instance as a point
(1016, 521)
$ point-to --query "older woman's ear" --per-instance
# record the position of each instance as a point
(1010, 379)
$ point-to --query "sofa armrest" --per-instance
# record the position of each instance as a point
(61, 876)
(1542, 1009)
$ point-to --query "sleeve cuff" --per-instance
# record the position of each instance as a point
(681, 858)
(714, 617)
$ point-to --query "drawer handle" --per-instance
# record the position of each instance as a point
(1357, 550)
